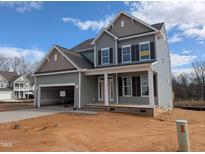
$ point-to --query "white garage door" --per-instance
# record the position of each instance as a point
(5, 95)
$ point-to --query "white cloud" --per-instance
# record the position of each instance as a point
(21, 6)
(180, 60)
(31, 55)
(201, 42)
(185, 51)
(94, 25)
(186, 16)
(177, 71)
(175, 38)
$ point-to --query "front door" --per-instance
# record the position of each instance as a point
(101, 89)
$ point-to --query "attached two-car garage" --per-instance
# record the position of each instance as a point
(57, 95)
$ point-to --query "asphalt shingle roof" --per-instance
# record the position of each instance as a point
(83, 45)
(9, 76)
(78, 59)
(158, 25)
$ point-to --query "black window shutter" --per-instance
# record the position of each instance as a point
(152, 50)
(155, 85)
(99, 57)
(138, 86)
(111, 55)
(120, 86)
(134, 86)
(137, 53)
(119, 55)
(133, 51)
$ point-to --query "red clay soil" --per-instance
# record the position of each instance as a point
(102, 132)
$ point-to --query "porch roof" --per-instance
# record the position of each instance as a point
(120, 69)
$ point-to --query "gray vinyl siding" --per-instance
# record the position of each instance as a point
(105, 41)
(60, 79)
(163, 68)
(134, 41)
(131, 27)
(137, 100)
(89, 55)
(89, 89)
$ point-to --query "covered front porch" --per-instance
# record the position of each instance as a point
(126, 86)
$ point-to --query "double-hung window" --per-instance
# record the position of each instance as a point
(126, 53)
(144, 49)
(127, 86)
(144, 85)
(105, 56)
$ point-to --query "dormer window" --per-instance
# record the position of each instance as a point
(55, 57)
(122, 23)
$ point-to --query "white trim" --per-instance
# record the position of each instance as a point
(103, 49)
(132, 17)
(51, 85)
(79, 103)
(57, 85)
(54, 73)
(123, 87)
(119, 69)
(135, 36)
(101, 79)
(106, 94)
(142, 43)
(141, 76)
(95, 58)
(20, 77)
(125, 46)
(117, 89)
(100, 33)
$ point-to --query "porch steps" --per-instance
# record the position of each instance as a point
(93, 107)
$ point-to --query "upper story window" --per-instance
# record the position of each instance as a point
(122, 23)
(105, 58)
(144, 49)
(126, 53)
(144, 85)
(127, 86)
(55, 57)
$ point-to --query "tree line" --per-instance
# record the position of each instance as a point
(17, 64)
(190, 85)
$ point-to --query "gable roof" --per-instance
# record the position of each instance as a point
(158, 25)
(85, 45)
(9, 76)
(76, 58)
(101, 32)
(134, 18)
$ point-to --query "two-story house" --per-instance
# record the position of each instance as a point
(13, 86)
(128, 63)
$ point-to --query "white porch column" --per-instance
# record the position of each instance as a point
(151, 87)
(117, 95)
(106, 99)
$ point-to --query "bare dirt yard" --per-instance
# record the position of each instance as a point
(14, 106)
(102, 132)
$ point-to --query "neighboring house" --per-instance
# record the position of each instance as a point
(127, 63)
(13, 86)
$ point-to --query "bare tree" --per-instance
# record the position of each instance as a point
(199, 68)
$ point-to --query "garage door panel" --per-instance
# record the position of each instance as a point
(5, 95)
(51, 95)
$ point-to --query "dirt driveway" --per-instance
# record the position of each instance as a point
(102, 132)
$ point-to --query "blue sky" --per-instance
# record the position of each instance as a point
(30, 28)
